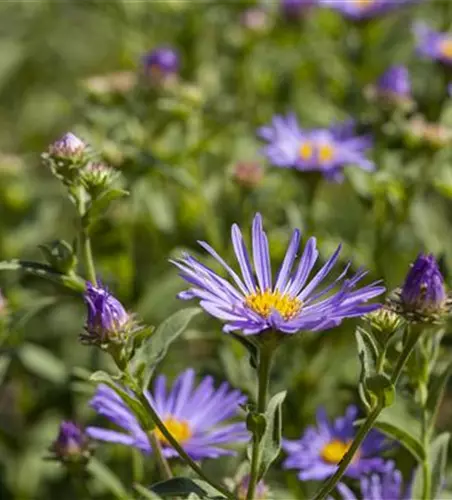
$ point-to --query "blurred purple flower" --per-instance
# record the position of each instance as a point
(325, 150)
(194, 416)
(295, 9)
(423, 290)
(106, 319)
(395, 81)
(433, 44)
(386, 485)
(364, 9)
(261, 492)
(317, 453)
(71, 444)
(161, 62)
(288, 305)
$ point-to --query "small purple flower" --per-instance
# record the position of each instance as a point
(195, 416)
(395, 81)
(161, 63)
(423, 290)
(107, 319)
(295, 9)
(319, 450)
(386, 485)
(364, 9)
(72, 443)
(325, 150)
(433, 44)
(255, 303)
(68, 146)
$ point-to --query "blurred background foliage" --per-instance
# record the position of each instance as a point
(76, 66)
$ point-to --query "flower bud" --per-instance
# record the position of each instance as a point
(423, 296)
(65, 156)
(71, 445)
(248, 174)
(383, 323)
(97, 177)
(107, 321)
(393, 88)
(60, 255)
(161, 64)
(261, 492)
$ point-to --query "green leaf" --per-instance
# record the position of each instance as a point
(133, 403)
(249, 346)
(72, 281)
(396, 422)
(100, 205)
(435, 393)
(382, 387)
(367, 353)
(107, 478)
(155, 347)
(43, 363)
(437, 459)
(256, 424)
(183, 487)
(145, 493)
(270, 445)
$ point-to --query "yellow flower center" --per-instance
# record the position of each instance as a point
(264, 303)
(446, 48)
(334, 451)
(179, 429)
(306, 151)
(326, 153)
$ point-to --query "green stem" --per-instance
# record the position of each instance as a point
(265, 358)
(426, 472)
(327, 488)
(162, 463)
(365, 428)
(182, 453)
(85, 241)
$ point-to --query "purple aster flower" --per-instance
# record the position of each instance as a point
(386, 485)
(326, 150)
(107, 319)
(194, 416)
(161, 63)
(288, 304)
(319, 450)
(433, 44)
(423, 290)
(71, 445)
(364, 9)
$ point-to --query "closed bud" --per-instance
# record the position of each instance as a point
(423, 296)
(248, 174)
(393, 89)
(72, 445)
(65, 157)
(107, 323)
(161, 65)
(97, 177)
(60, 255)
(383, 323)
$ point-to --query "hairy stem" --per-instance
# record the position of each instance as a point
(162, 463)
(265, 357)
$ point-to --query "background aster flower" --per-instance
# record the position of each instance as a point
(395, 81)
(387, 485)
(289, 304)
(317, 453)
(194, 416)
(326, 150)
(364, 9)
(433, 44)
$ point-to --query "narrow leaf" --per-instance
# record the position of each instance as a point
(367, 353)
(183, 487)
(145, 493)
(107, 478)
(436, 392)
(100, 205)
(43, 363)
(270, 445)
(72, 281)
(155, 347)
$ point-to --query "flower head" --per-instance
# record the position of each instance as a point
(325, 150)
(423, 296)
(96, 177)
(433, 44)
(290, 303)
(195, 416)
(388, 484)
(71, 444)
(107, 320)
(317, 453)
(395, 81)
(363, 9)
(67, 146)
(161, 63)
